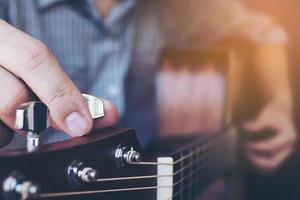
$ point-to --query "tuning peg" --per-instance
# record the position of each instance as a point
(125, 155)
(32, 117)
(79, 173)
(16, 187)
(96, 106)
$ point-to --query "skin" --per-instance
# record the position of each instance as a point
(27, 64)
(271, 64)
(105, 6)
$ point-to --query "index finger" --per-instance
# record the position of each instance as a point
(32, 61)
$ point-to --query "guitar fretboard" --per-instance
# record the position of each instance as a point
(197, 165)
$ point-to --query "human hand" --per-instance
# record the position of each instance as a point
(27, 65)
(267, 154)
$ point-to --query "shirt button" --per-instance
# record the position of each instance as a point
(113, 91)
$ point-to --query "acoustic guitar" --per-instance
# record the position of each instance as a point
(110, 164)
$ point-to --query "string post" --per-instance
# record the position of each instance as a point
(79, 173)
(16, 186)
(88, 174)
(125, 155)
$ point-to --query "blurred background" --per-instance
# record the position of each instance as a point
(286, 183)
(203, 81)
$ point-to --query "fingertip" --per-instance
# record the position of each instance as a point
(78, 124)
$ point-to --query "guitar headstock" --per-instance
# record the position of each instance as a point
(75, 164)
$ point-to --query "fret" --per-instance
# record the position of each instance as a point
(190, 179)
(186, 179)
(194, 186)
(198, 165)
(198, 157)
(181, 177)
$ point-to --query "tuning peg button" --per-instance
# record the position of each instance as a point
(17, 187)
(96, 106)
(32, 117)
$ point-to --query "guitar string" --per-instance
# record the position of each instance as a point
(210, 172)
(132, 178)
(197, 161)
(199, 149)
(46, 195)
(189, 175)
(150, 176)
(176, 161)
(61, 194)
(186, 186)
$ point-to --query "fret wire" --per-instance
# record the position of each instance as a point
(197, 174)
(203, 143)
(195, 171)
(62, 194)
(197, 161)
(181, 190)
(185, 177)
(190, 192)
(210, 171)
(183, 158)
(204, 147)
(181, 176)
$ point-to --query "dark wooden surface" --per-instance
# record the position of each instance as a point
(47, 166)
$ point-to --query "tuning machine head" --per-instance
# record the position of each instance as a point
(78, 173)
(125, 155)
(32, 117)
(17, 187)
(96, 106)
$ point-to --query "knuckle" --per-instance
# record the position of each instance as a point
(62, 94)
(34, 55)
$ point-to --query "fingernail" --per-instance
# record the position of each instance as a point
(77, 124)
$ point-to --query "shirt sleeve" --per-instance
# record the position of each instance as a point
(212, 20)
(3, 10)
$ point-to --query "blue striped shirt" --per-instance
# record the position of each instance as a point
(105, 57)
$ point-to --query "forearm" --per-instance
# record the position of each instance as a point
(271, 65)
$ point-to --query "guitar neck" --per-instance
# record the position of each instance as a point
(192, 168)
(181, 174)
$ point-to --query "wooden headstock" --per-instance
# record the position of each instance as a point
(70, 165)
